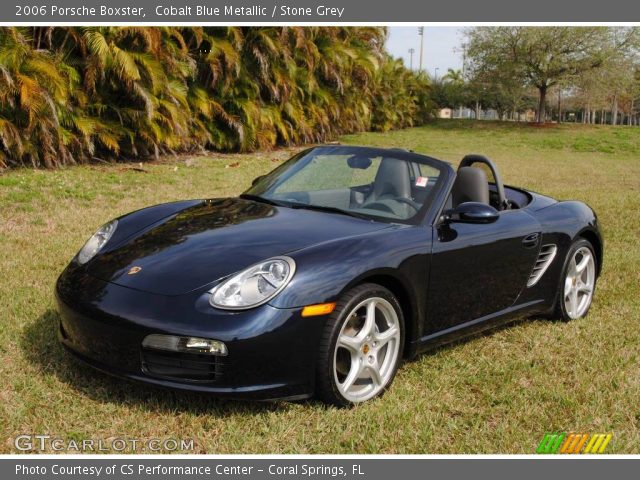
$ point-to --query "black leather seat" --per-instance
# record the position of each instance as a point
(471, 185)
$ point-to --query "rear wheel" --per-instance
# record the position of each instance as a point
(361, 346)
(578, 282)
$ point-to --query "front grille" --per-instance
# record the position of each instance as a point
(184, 367)
(545, 257)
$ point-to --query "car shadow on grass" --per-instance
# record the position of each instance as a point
(41, 348)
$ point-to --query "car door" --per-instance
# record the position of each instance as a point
(479, 269)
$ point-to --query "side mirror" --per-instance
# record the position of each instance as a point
(472, 212)
(257, 179)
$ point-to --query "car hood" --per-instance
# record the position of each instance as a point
(215, 238)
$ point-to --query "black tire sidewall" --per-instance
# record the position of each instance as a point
(326, 385)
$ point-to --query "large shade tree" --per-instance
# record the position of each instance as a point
(544, 57)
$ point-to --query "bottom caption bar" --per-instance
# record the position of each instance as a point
(366, 468)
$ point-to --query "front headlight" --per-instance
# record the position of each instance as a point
(253, 286)
(96, 242)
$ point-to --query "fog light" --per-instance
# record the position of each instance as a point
(173, 343)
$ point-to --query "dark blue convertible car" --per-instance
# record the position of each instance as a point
(323, 275)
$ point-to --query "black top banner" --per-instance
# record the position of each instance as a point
(329, 11)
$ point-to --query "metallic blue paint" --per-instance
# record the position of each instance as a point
(454, 279)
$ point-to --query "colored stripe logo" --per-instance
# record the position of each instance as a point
(572, 443)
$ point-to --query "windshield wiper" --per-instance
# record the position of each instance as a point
(305, 206)
(323, 208)
(258, 198)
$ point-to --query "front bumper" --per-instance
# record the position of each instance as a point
(272, 351)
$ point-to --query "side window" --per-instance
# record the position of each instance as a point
(428, 171)
(423, 179)
(448, 204)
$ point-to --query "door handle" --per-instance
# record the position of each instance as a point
(531, 240)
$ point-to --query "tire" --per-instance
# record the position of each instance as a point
(570, 306)
(355, 345)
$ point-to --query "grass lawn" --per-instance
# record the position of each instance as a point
(496, 393)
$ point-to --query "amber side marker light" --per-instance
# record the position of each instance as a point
(320, 309)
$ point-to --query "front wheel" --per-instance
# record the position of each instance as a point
(361, 346)
(578, 282)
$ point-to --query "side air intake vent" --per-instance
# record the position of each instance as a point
(545, 257)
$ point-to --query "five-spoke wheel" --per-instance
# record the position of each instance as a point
(362, 346)
(579, 281)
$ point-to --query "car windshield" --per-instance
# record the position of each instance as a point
(374, 183)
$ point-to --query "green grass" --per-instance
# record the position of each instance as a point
(495, 393)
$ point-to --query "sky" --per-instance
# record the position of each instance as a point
(442, 47)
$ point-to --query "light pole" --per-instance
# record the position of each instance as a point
(421, 33)
(411, 52)
(435, 73)
(464, 59)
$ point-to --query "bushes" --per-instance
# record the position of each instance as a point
(69, 94)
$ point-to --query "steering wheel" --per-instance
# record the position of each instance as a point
(388, 209)
(415, 205)
(379, 206)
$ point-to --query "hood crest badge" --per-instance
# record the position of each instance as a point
(134, 270)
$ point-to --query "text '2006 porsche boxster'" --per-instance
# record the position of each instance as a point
(323, 275)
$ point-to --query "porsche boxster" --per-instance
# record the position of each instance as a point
(324, 275)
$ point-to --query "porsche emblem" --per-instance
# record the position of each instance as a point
(134, 270)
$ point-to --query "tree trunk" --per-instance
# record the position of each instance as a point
(614, 110)
(477, 110)
(541, 104)
(64, 40)
(559, 106)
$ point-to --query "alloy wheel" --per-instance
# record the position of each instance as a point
(367, 350)
(579, 283)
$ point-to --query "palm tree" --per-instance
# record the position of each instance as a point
(32, 92)
(70, 94)
(455, 79)
(454, 76)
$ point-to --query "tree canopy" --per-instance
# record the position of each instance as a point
(545, 57)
